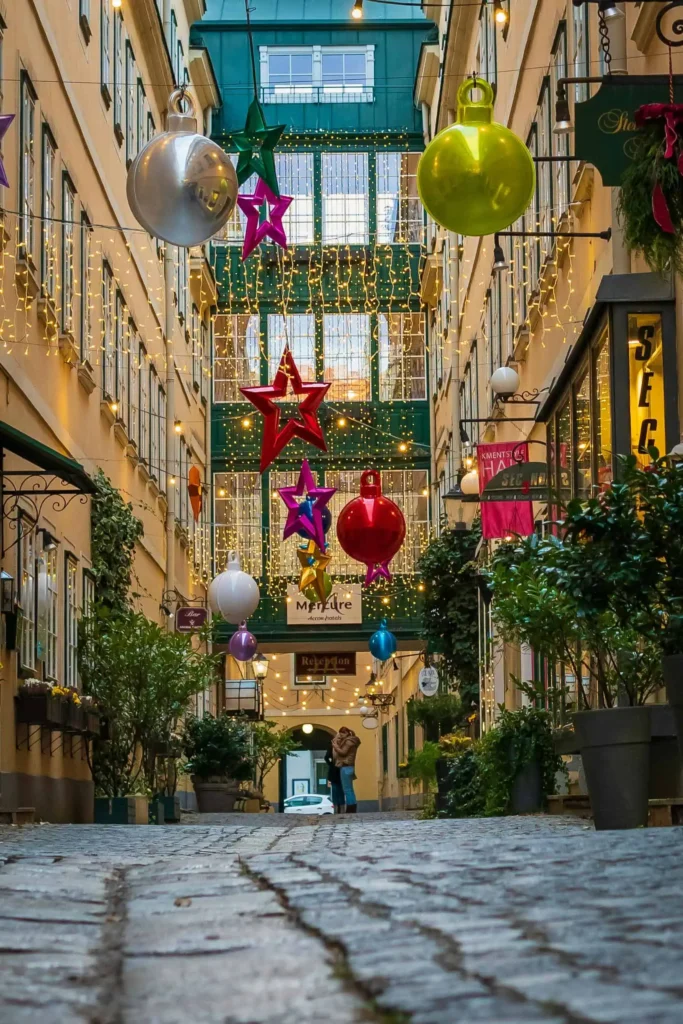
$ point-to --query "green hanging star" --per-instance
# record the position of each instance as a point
(255, 147)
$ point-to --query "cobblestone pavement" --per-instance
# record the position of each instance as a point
(370, 920)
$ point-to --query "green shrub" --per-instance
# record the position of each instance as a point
(218, 748)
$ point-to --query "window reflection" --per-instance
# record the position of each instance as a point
(399, 212)
(582, 422)
(345, 198)
(236, 356)
(347, 356)
(603, 414)
(297, 331)
(401, 357)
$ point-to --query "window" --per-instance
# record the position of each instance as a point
(151, 128)
(410, 490)
(68, 255)
(298, 331)
(560, 143)
(153, 424)
(521, 274)
(582, 434)
(181, 286)
(173, 46)
(346, 343)
(237, 357)
(105, 50)
(603, 413)
(295, 178)
(119, 73)
(544, 171)
(132, 348)
(183, 474)
(486, 49)
(131, 119)
(283, 557)
(345, 198)
(27, 592)
(532, 219)
(196, 354)
(205, 334)
(401, 357)
(580, 49)
(399, 211)
(108, 338)
(180, 64)
(48, 252)
(71, 622)
(163, 469)
(84, 18)
(27, 172)
(122, 360)
(88, 592)
(86, 282)
(142, 104)
(51, 571)
(385, 748)
(237, 517)
(317, 74)
(143, 383)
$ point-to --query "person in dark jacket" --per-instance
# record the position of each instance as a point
(335, 783)
(344, 749)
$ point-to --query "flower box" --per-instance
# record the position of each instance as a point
(40, 709)
(75, 718)
(92, 722)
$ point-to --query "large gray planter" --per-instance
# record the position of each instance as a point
(615, 748)
(527, 790)
(673, 680)
(215, 796)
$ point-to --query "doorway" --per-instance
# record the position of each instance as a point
(305, 770)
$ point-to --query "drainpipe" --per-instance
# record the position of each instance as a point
(169, 323)
(621, 257)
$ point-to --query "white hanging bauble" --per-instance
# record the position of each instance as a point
(470, 482)
(504, 381)
(212, 595)
(182, 187)
(234, 593)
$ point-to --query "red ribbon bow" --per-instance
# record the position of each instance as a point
(672, 114)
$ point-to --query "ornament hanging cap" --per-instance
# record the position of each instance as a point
(370, 484)
(234, 564)
(472, 111)
(383, 624)
(177, 120)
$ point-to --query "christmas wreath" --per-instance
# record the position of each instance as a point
(651, 202)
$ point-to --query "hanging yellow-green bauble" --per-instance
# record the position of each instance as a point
(476, 177)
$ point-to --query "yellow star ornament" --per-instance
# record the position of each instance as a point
(315, 582)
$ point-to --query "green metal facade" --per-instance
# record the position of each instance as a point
(370, 278)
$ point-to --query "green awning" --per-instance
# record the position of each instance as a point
(47, 459)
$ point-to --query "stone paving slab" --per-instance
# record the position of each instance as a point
(370, 920)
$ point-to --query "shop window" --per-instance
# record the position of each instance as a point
(646, 384)
(345, 198)
(401, 357)
(295, 178)
(237, 356)
(237, 517)
(296, 331)
(71, 621)
(346, 342)
(582, 435)
(565, 453)
(399, 211)
(603, 413)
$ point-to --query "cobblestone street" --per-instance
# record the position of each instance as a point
(372, 919)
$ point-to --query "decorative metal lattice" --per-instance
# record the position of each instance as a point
(25, 494)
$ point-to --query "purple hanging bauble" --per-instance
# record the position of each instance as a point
(243, 644)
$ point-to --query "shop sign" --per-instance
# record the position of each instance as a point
(428, 681)
(189, 620)
(646, 384)
(498, 519)
(343, 608)
(326, 664)
(605, 123)
(523, 481)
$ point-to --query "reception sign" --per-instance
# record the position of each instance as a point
(326, 664)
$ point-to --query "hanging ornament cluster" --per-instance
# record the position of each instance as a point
(311, 517)
(371, 528)
(264, 397)
(476, 177)
(181, 186)
(233, 594)
(651, 196)
(382, 643)
(315, 583)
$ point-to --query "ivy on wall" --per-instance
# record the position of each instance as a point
(450, 611)
(114, 531)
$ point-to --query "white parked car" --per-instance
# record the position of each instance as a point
(308, 803)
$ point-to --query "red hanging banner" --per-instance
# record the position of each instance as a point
(502, 518)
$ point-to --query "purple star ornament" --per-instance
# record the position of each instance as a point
(252, 206)
(297, 517)
(5, 122)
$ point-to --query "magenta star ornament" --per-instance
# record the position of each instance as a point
(5, 122)
(263, 200)
(297, 519)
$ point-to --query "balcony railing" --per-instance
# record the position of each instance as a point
(317, 94)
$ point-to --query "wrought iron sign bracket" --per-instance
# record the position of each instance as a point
(675, 28)
(23, 495)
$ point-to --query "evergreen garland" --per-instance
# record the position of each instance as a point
(650, 168)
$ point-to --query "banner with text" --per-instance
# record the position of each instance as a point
(343, 607)
(502, 518)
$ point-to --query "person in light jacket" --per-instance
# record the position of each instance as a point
(344, 747)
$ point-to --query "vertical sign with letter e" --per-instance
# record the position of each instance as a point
(646, 384)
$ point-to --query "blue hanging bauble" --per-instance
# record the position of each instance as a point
(306, 509)
(382, 643)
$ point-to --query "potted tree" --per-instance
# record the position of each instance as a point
(270, 745)
(219, 758)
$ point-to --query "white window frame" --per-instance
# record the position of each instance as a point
(85, 284)
(318, 92)
(105, 49)
(48, 248)
(27, 176)
(68, 254)
(27, 592)
(119, 76)
(70, 620)
(108, 334)
(153, 423)
(143, 378)
(131, 101)
(51, 569)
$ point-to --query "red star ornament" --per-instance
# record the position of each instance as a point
(263, 399)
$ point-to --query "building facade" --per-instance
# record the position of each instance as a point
(345, 298)
(104, 355)
(565, 312)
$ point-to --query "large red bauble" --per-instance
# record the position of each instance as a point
(371, 528)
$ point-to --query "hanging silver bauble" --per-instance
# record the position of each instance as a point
(181, 186)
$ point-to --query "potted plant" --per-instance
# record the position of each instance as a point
(517, 762)
(219, 758)
(37, 704)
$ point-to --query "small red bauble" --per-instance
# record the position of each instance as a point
(371, 528)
